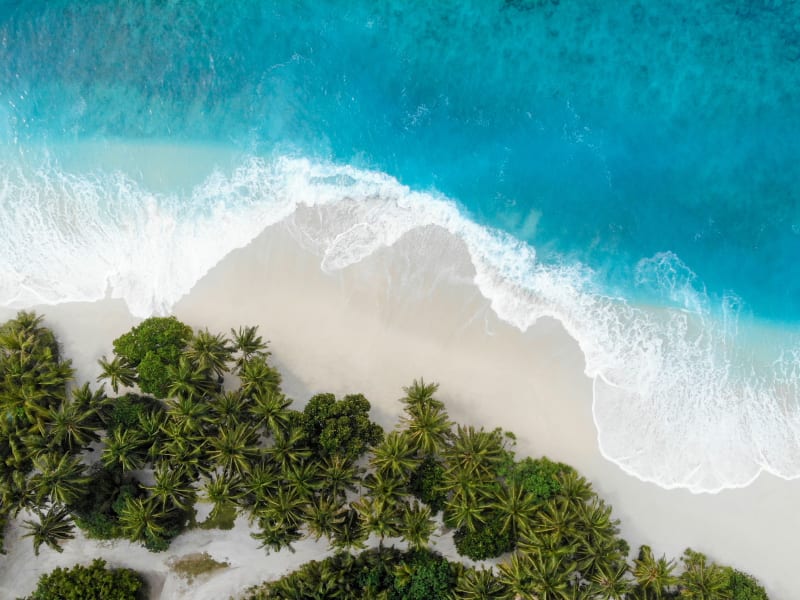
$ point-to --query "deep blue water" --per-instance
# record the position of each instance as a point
(602, 131)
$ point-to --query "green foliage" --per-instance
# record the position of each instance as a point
(387, 573)
(340, 427)
(429, 577)
(152, 346)
(742, 586)
(487, 540)
(426, 484)
(98, 512)
(540, 477)
(125, 412)
(95, 582)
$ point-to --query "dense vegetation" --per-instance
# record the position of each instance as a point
(216, 426)
(95, 582)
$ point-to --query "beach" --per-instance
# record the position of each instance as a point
(408, 311)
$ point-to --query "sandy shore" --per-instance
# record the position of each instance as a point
(407, 312)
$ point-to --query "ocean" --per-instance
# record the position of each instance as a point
(628, 168)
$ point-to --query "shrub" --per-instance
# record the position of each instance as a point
(151, 347)
(539, 476)
(742, 586)
(486, 541)
(340, 427)
(425, 484)
(95, 582)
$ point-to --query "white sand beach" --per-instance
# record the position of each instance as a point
(406, 312)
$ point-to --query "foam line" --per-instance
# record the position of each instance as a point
(680, 397)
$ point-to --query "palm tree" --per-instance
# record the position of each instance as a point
(248, 344)
(339, 476)
(378, 517)
(142, 520)
(185, 450)
(118, 371)
(609, 582)
(271, 409)
(464, 513)
(324, 517)
(221, 490)
(386, 489)
(258, 376)
(61, 477)
(172, 487)
(419, 394)
(395, 456)
(555, 518)
(350, 533)
(286, 507)
(429, 428)
(275, 535)
(515, 577)
(702, 580)
(125, 448)
(304, 477)
(654, 576)
(517, 507)
(260, 482)
(152, 427)
(209, 352)
(416, 525)
(481, 584)
(234, 448)
(187, 380)
(228, 408)
(187, 415)
(72, 427)
(288, 448)
(53, 527)
(550, 575)
(475, 451)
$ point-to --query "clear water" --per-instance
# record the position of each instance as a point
(646, 152)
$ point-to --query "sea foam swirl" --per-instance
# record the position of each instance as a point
(682, 397)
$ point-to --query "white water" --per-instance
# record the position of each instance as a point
(680, 399)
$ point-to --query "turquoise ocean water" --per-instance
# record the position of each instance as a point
(630, 168)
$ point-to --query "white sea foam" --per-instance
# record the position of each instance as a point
(679, 398)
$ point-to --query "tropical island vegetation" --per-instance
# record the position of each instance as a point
(204, 414)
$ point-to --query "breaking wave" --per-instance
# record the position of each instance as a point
(684, 396)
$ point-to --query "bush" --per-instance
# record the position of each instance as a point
(95, 582)
(742, 586)
(340, 427)
(97, 513)
(539, 477)
(151, 347)
(486, 541)
(425, 484)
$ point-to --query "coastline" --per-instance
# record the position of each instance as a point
(399, 314)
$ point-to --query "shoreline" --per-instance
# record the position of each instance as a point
(374, 326)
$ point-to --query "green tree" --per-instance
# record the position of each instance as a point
(248, 344)
(702, 579)
(142, 520)
(172, 487)
(474, 584)
(516, 506)
(210, 352)
(62, 478)
(95, 582)
(118, 371)
(152, 346)
(743, 586)
(234, 448)
(271, 409)
(395, 456)
(125, 449)
(653, 575)
(258, 377)
(416, 526)
(340, 427)
(53, 527)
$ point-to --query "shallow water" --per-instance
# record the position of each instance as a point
(596, 157)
